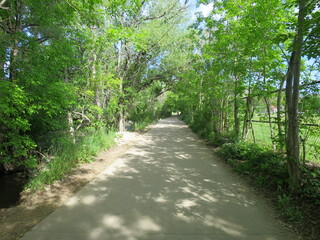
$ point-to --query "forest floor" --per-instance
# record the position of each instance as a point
(35, 206)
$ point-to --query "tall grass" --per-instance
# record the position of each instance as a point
(67, 156)
(141, 125)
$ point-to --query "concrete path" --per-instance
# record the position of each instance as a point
(168, 186)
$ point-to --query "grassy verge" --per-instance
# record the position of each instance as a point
(68, 155)
(139, 126)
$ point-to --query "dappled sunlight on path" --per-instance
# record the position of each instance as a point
(168, 186)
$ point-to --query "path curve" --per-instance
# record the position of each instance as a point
(168, 186)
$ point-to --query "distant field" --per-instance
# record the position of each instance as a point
(311, 134)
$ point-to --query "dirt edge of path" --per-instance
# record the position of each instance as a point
(35, 206)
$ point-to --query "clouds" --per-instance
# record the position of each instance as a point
(205, 9)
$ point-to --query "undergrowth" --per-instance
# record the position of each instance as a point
(68, 155)
(141, 125)
(262, 164)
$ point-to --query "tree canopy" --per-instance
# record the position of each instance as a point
(71, 67)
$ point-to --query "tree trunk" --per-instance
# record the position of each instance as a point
(71, 127)
(121, 104)
(252, 132)
(226, 115)
(15, 24)
(2, 63)
(13, 58)
(236, 109)
(246, 120)
(279, 123)
(200, 104)
(292, 98)
(270, 122)
(214, 122)
(245, 128)
(122, 121)
(222, 116)
(2, 74)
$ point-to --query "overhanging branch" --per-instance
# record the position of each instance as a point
(2, 3)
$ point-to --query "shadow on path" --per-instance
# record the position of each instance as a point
(168, 186)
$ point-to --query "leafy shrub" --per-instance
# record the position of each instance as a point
(310, 186)
(199, 124)
(219, 140)
(15, 144)
(137, 126)
(67, 155)
(261, 163)
(288, 209)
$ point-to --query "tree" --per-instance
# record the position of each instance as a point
(305, 9)
(245, 46)
(72, 67)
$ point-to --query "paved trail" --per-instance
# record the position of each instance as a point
(169, 186)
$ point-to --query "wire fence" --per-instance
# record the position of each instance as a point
(265, 133)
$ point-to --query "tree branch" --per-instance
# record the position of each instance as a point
(41, 40)
(30, 25)
(84, 116)
(166, 12)
(283, 89)
(2, 3)
(312, 2)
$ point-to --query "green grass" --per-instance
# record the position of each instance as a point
(142, 124)
(312, 143)
(138, 126)
(261, 133)
(68, 155)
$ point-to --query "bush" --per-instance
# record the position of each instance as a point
(138, 126)
(67, 155)
(15, 143)
(199, 124)
(310, 186)
(219, 140)
(288, 209)
(261, 163)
